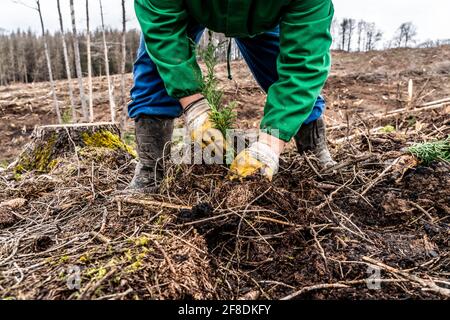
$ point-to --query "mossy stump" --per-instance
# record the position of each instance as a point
(50, 143)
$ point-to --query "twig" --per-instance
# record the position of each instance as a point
(208, 219)
(316, 287)
(348, 162)
(319, 246)
(250, 296)
(166, 257)
(153, 203)
(374, 131)
(428, 284)
(104, 220)
(329, 198)
(115, 296)
(308, 161)
(380, 176)
(425, 212)
(339, 285)
(92, 287)
(100, 237)
(436, 102)
(267, 219)
(16, 248)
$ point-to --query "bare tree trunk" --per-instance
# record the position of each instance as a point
(21, 64)
(359, 36)
(67, 63)
(78, 63)
(89, 63)
(112, 104)
(24, 65)
(49, 65)
(351, 28)
(12, 57)
(122, 70)
(2, 81)
(344, 33)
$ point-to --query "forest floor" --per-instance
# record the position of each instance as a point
(376, 226)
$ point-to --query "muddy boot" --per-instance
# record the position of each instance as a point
(153, 137)
(312, 138)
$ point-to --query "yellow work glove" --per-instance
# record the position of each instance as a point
(201, 128)
(258, 158)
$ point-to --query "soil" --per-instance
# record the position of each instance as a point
(377, 226)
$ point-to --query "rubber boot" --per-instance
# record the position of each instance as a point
(153, 137)
(312, 138)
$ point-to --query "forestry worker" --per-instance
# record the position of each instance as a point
(285, 43)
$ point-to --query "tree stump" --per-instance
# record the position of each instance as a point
(49, 143)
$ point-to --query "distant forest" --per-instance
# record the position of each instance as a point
(22, 57)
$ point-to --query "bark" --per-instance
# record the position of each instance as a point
(351, 28)
(76, 47)
(361, 25)
(2, 78)
(12, 57)
(67, 63)
(89, 63)
(112, 104)
(344, 25)
(49, 65)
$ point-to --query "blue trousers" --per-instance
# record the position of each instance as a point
(149, 96)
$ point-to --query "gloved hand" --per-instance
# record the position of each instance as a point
(258, 157)
(201, 128)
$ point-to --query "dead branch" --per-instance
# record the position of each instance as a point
(427, 284)
(315, 287)
(152, 203)
(380, 176)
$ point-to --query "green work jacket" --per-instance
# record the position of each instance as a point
(303, 63)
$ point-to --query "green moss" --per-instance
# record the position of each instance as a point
(137, 262)
(52, 165)
(39, 160)
(96, 273)
(135, 258)
(388, 129)
(4, 164)
(106, 139)
(84, 259)
(63, 259)
(67, 116)
(142, 241)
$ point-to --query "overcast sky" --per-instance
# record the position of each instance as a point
(430, 16)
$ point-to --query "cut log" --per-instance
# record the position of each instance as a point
(49, 143)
